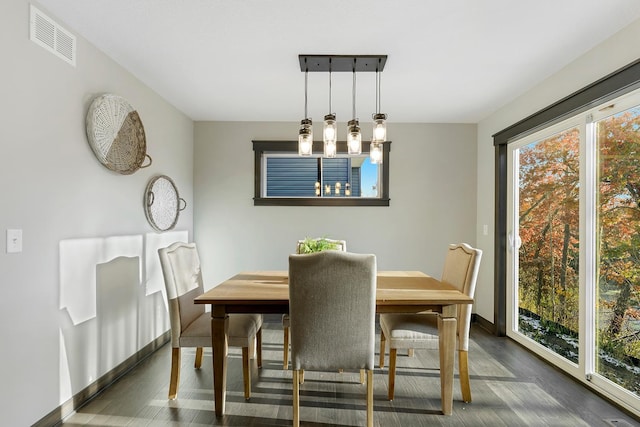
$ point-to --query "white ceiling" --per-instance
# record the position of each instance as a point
(453, 61)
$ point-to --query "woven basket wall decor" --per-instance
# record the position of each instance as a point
(162, 203)
(116, 134)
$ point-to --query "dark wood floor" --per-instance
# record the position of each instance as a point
(510, 387)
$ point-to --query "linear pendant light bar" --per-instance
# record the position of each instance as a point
(342, 63)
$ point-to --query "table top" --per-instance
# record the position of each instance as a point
(394, 288)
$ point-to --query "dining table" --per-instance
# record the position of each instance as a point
(396, 292)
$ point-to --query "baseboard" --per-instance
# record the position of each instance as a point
(56, 416)
(483, 323)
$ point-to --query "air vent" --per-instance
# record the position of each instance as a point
(618, 422)
(51, 36)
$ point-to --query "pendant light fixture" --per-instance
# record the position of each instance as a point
(343, 63)
(330, 132)
(379, 126)
(305, 135)
(354, 137)
(379, 119)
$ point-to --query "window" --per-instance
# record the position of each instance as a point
(284, 178)
(567, 227)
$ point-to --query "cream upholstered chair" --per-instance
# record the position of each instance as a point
(332, 305)
(341, 245)
(190, 324)
(420, 331)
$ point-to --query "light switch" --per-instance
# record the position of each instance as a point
(485, 229)
(14, 240)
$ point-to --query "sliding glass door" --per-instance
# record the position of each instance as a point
(573, 270)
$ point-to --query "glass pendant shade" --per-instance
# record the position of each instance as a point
(305, 138)
(354, 138)
(375, 152)
(330, 149)
(330, 135)
(379, 127)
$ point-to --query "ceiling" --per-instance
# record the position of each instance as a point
(449, 61)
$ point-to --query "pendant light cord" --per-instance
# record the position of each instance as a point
(378, 77)
(377, 95)
(354, 89)
(306, 78)
(330, 111)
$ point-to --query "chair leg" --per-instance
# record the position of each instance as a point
(463, 370)
(246, 372)
(383, 341)
(296, 398)
(259, 347)
(362, 376)
(199, 352)
(175, 372)
(393, 354)
(285, 349)
(410, 352)
(369, 397)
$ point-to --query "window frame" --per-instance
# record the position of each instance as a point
(262, 147)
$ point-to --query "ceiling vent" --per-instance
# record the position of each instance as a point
(45, 32)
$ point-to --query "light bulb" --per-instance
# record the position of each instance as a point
(329, 128)
(354, 138)
(330, 149)
(379, 127)
(305, 138)
(375, 153)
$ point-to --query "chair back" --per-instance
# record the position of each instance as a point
(332, 304)
(461, 267)
(183, 281)
(341, 245)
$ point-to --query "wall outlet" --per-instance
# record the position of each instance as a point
(14, 240)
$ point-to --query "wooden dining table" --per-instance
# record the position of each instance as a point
(396, 292)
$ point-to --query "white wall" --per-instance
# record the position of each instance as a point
(432, 191)
(614, 53)
(55, 190)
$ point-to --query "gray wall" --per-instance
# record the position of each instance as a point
(614, 53)
(54, 189)
(432, 190)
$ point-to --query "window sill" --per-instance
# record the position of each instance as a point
(319, 201)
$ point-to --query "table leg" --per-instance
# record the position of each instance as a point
(447, 346)
(219, 344)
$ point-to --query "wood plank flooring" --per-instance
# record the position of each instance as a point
(510, 387)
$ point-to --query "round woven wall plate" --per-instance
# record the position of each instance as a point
(116, 134)
(162, 203)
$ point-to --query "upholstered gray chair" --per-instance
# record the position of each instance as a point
(341, 245)
(420, 331)
(332, 304)
(191, 325)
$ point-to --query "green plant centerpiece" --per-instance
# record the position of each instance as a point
(309, 245)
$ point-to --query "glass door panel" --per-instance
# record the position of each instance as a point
(618, 249)
(547, 221)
